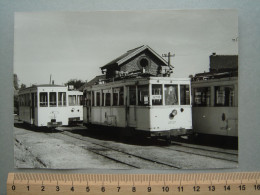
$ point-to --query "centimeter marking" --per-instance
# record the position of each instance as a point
(183, 184)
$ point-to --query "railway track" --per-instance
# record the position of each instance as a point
(206, 151)
(111, 150)
(117, 155)
(179, 155)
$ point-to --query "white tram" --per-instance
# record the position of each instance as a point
(75, 106)
(215, 106)
(156, 106)
(49, 105)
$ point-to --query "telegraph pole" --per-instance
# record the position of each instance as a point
(169, 55)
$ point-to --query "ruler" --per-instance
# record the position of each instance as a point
(126, 184)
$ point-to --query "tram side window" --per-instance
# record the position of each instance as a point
(143, 95)
(115, 96)
(185, 94)
(72, 100)
(108, 99)
(202, 96)
(21, 100)
(26, 99)
(62, 98)
(80, 100)
(121, 96)
(118, 96)
(35, 100)
(88, 99)
(171, 94)
(224, 96)
(97, 98)
(43, 99)
(92, 98)
(156, 94)
(132, 95)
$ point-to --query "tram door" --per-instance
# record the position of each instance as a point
(131, 106)
(88, 106)
(32, 109)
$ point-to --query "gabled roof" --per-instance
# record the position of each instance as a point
(131, 53)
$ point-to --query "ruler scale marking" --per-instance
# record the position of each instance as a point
(205, 183)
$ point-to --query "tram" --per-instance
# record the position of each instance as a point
(153, 106)
(215, 105)
(75, 107)
(48, 106)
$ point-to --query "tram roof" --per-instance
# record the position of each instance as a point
(128, 81)
(42, 85)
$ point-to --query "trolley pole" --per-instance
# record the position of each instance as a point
(169, 55)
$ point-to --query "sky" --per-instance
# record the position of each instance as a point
(74, 45)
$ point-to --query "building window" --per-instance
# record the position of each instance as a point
(132, 95)
(143, 63)
(61, 98)
(224, 96)
(143, 95)
(185, 94)
(202, 96)
(43, 99)
(171, 94)
(157, 94)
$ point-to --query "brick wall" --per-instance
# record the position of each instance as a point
(134, 64)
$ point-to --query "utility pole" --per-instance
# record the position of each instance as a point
(169, 55)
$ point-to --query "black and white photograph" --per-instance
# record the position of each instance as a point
(126, 89)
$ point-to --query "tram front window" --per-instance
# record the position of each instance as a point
(224, 96)
(171, 94)
(156, 94)
(72, 100)
(53, 99)
(143, 95)
(43, 99)
(185, 94)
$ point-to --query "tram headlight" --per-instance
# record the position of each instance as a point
(173, 114)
